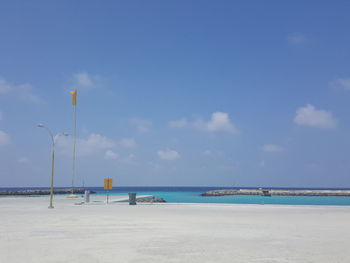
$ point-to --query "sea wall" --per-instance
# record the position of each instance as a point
(267, 192)
(42, 191)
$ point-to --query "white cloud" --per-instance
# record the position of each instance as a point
(341, 83)
(296, 39)
(207, 152)
(23, 160)
(178, 123)
(220, 121)
(96, 144)
(110, 155)
(127, 143)
(84, 80)
(5, 87)
(310, 116)
(92, 145)
(4, 138)
(169, 155)
(213, 153)
(142, 125)
(155, 166)
(24, 91)
(272, 148)
(129, 160)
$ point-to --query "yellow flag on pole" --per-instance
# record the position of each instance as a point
(74, 97)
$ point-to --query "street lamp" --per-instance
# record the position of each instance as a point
(53, 138)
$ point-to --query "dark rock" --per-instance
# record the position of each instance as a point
(150, 199)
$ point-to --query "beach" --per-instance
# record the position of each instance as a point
(170, 232)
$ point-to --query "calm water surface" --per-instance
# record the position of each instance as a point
(192, 195)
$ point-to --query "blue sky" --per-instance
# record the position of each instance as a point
(182, 93)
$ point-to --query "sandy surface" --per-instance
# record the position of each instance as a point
(30, 232)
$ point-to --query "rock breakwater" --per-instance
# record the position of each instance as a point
(42, 191)
(268, 192)
(150, 199)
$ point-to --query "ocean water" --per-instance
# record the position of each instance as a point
(192, 195)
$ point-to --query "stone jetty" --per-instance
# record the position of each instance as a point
(150, 199)
(281, 192)
(42, 191)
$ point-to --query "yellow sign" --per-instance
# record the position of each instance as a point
(108, 183)
(74, 97)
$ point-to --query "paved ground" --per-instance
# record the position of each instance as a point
(29, 232)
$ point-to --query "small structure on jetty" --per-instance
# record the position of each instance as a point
(265, 192)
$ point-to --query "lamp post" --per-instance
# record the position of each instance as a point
(53, 138)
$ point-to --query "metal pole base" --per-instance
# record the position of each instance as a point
(50, 207)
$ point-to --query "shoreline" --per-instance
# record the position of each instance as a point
(142, 200)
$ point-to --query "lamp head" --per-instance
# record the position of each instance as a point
(40, 125)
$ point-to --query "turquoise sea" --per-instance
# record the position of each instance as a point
(192, 195)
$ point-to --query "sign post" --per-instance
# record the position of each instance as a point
(108, 186)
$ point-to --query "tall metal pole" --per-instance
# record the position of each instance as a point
(52, 175)
(74, 145)
(53, 139)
